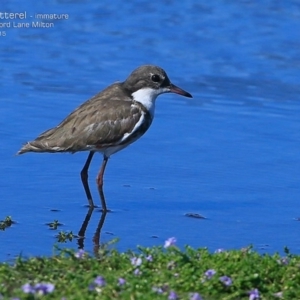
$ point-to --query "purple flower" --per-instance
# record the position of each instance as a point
(254, 294)
(136, 261)
(149, 258)
(226, 280)
(97, 284)
(220, 250)
(44, 288)
(121, 281)
(39, 288)
(172, 296)
(92, 287)
(210, 273)
(195, 296)
(170, 242)
(158, 290)
(100, 281)
(28, 288)
(137, 272)
(283, 261)
(80, 254)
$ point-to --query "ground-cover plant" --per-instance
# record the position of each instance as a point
(7, 222)
(54, 225)
(64, 236)
(164, 272)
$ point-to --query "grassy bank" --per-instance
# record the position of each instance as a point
(153, 273)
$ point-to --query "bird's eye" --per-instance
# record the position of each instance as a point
(155, 78)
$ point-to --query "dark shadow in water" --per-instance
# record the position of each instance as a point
(83, 228)
(96, 237)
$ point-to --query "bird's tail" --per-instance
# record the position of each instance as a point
(43, 143)
(37, 146)
(30, 147)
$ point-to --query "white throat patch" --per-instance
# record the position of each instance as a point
(147, 97)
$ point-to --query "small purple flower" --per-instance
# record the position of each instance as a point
(92, 287)
(100, 281)
(137, 272)
(170, 242)
(121, 281)
(136, 261)
(28, 288)
(220, 250)
(80, 254)
(149, 258)
(158, 290)
(44, 288)
(172, 296)
(195, 296)
(210, 273)
(254, 294)
(97, 284)
(283, 261)
(226, 280)
(39, 288)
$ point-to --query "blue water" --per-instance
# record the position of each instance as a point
(230, 154)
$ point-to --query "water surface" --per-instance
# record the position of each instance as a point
(230, 154)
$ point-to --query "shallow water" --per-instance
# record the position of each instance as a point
(230, 154)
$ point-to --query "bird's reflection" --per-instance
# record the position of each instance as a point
(96, 237)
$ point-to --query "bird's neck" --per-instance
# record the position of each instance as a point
(146, 97)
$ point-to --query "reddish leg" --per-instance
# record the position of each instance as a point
(99, 179)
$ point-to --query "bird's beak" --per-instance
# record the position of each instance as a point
(175, 89)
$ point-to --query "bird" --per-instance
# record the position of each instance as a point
(108, 122)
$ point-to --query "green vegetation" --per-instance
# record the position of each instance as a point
(54, 225)
(64, 236)
(153, 273)
(7, 222)
(164, 272)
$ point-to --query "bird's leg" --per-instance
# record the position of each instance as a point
(84, 179)
(99, 179)
(99, 182)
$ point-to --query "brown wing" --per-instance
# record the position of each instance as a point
(101, 121)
